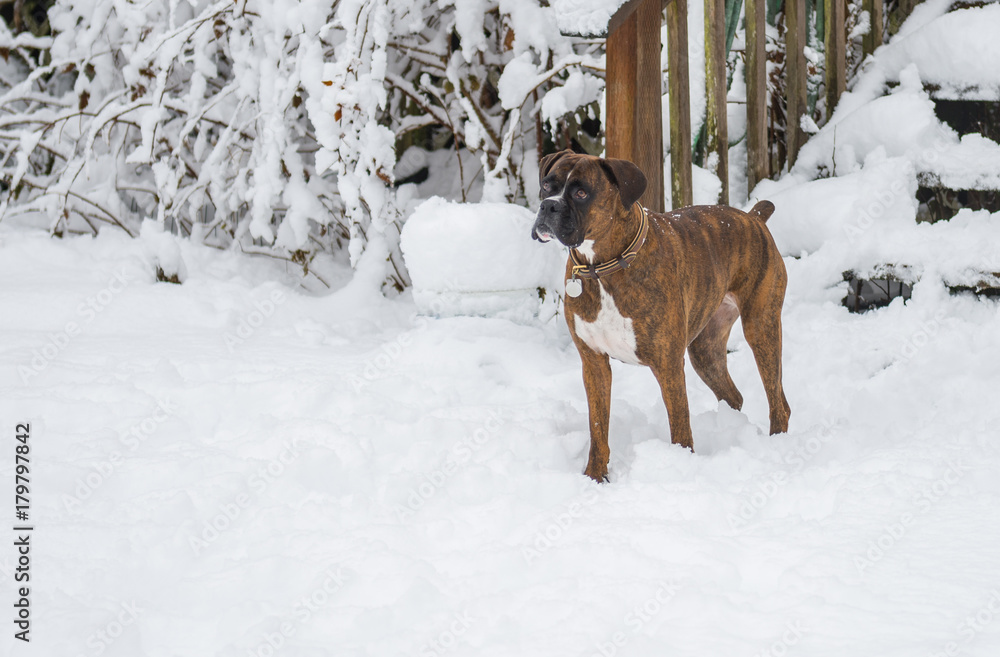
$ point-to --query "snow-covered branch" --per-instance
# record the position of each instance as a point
(275, 124)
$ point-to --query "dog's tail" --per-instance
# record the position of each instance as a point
(763, 210)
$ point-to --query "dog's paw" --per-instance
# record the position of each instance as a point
(599, 477)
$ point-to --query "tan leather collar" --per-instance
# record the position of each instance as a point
(623, 261)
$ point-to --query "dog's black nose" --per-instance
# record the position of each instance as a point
(549, 206)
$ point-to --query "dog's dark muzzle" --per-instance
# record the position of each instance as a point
(553, 222)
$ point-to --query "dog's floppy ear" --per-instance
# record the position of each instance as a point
(627, 177)
(549, 161)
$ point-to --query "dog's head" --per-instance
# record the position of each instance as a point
(583, 195)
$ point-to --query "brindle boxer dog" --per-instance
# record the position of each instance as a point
(641, 287)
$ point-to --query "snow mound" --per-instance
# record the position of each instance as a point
(163, 249)
(832, 211)
(973, 163)
(957, 53)
(902, 123)
(479, 259)
(850, 201)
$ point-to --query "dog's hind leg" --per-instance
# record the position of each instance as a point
(762, 329)
(708, 353)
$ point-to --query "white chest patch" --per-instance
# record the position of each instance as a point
(586, 249)
(610, 333)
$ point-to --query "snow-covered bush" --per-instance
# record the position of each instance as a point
(273, 125)
(478, 71)
(190, 113)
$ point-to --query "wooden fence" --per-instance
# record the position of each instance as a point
(633, 124)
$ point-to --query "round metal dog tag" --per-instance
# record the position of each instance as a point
(574, 287)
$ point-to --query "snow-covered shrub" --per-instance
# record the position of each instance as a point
(493, 77)
(273, 125)
(192, 113)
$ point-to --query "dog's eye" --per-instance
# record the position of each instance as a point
(546, 187)
(580, 193)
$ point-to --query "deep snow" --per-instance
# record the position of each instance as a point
(351, 478)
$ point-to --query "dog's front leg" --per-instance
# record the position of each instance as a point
(597, 381)
(669, 372)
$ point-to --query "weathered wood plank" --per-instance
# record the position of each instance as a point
(634, 129)
(756, 76)
(624, 13)
(648, 147)
(836, 53)
(906, 7)
(621, 80)
(873, 39)
(717, 125)
(680, 104)
(796, 89)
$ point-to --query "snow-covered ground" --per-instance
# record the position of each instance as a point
(249, 464)
(235, 466)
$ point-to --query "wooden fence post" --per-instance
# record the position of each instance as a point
(756, 77)
(716, 120)
(680, 104)
(836, 53)
(648, 149)
(634, 129)
(621, 80)
(906, 8)
(873, 39)
(796, 90)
